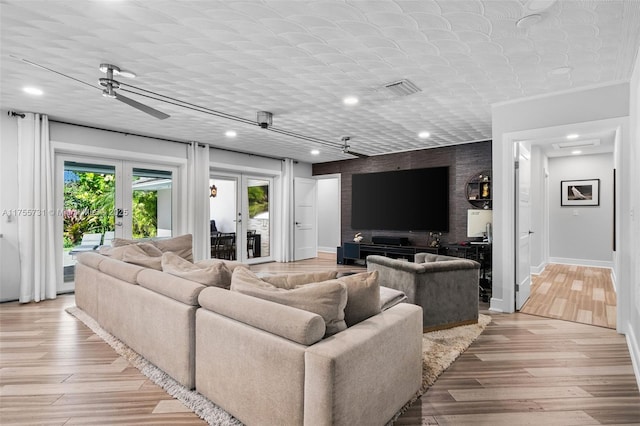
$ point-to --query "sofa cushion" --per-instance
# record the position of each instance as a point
(215, 274)
(293, 280)
(363, 299)
(90, 258)
(327, 299)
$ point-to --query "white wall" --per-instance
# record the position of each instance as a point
(631, 323)
(539, 209)
(328, 214)
(9, 254)
(581, 235)
(223, 207)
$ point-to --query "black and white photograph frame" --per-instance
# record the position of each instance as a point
(580, 192)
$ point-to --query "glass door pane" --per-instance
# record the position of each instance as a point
(88, 214)
(257, 228)
(223, 217)
(151, 206)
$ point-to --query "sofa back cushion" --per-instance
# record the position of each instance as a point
(214, 274)
(122, 270)
(181, 245)
(327, 299)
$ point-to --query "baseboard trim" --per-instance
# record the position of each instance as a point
(537, 270)
(494, 305)
(634, 351)
(328, 249)
(582, 262)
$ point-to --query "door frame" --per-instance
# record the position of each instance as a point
(64, 151)
(242, 207)
(504, 210)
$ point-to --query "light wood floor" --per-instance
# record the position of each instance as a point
(522, 370)
(573, 293)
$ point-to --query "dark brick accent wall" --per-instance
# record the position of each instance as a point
(464, 161)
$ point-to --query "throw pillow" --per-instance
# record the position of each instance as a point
(119, 242)
(136, 254)
(327, 299)
(215, 274)
(363, 299)
(117, 252)
(293, 280)
(231, 264)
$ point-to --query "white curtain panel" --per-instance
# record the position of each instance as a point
(36, 218)
(198, 190)
(286, 218)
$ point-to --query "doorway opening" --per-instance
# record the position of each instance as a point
(107, 199)
(240, 217)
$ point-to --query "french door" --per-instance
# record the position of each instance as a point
(103, 199)
(241, 217)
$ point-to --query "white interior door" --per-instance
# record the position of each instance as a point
(305, 230)
(523, 226)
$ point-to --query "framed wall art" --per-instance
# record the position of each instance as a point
(580, 192)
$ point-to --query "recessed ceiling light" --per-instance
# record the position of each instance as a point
(315, 152)
(424, 135)
(231, 133)
(350, 100)
(573, 136)
(576, 152)
(33, 91)
(560, 71)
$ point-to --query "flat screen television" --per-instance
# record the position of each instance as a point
(401, 200)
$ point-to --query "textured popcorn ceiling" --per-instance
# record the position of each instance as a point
(298, 59)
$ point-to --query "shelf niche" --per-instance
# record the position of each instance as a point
(478, 190)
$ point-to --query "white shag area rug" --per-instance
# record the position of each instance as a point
(439, 350)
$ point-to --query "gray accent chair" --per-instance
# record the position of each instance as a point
(446, 287)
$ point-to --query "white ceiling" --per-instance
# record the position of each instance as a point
(299, 59)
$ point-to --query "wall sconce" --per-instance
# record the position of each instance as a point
(214, 191)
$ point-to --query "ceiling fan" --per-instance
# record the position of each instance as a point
(110, 85)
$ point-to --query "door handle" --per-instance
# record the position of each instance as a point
(531, 232)
(297, 223)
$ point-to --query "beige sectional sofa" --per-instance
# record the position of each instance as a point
(263, 362)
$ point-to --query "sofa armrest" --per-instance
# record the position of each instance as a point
(375, 365)
(291, 323)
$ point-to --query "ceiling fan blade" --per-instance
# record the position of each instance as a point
(357, 154)
(142, 107)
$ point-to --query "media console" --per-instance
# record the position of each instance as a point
(359, 251)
